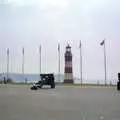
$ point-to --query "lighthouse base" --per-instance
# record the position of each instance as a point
(68, 81)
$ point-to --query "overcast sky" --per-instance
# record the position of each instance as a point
(30, 23)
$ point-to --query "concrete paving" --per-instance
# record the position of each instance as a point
(18, 102)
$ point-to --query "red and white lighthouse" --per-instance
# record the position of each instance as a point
(68, 73)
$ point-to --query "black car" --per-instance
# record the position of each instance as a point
(46, 79)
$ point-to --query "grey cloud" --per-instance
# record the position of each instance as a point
(30, 26)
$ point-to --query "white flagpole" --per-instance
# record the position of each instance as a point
(7, 62)
(23, 61)
(105, 68)
(105, 62)
(40, 57)
(59, 60)
(81, 63)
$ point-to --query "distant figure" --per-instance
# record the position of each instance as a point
(26, 80)
(5, 82)
(118, 83)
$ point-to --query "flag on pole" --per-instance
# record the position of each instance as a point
(102, 43)
(7, 51)
(58, 47)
